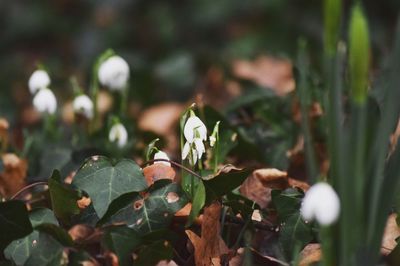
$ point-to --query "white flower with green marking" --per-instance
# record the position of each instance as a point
(45, 101)
(83, 105)
(114, 73)
(161, 155)
(195, 133)
(118, 135)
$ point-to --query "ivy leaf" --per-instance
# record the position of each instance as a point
(14, 221)
(199, 199)
(225, 181)
(105, 181)
(122, 241)
(294, 233)
(19, 250)
(153, 210)
(48, 252)
(154, 253)
(287, 202)
(63, 198)
(57, 233)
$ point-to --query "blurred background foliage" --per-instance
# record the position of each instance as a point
(169, 45)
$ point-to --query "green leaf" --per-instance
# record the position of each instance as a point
(57, 233)
(14, 222)
(294, 232)
(117, 205)
(225, 182)
(105, 181)
(122, 241)
(19, 250)
(149, 149)
(286, 202)
(154, 210)
(199, 199)
(153, 253)
(48, 252)
(63, 198)
(241, 205)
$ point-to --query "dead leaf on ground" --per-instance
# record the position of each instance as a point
(158, 171)
(185, 211)
(269, 72)
(310, 254)
(261, 182)
(209, 248)
(80, 232)
(391, 233)
(12, 179)
(83, 202)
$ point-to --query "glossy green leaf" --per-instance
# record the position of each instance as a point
(63, 198)
(154, 253)
(14, 222)
(153, 211)
(19, 250)
(105, 181)
(57, 233)
(122, 241)
(48, 252)
(286, 202)
(198, 201)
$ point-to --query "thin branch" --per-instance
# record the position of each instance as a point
(173, 163)
(42, 183)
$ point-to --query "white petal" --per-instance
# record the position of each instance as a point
(193, 158)
(118, 134)
(185, 150)
(194, 128)
(45, 101)
(83, 105)
(114, 73)
(200, 149)
(38, 80)
(161, 155)
(322, 203)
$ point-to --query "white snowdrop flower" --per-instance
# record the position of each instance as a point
(161, 155)
(45, 101)
(199, 147)
(118, 134)
(194, 128)
(114, 73)
(83, 105)
(188, 152)
(38, 80)
(212, 140)
(322, 203)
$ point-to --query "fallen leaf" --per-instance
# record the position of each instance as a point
(210, 247)
(269, 72)
(185, 211)
(258, 186)
(310, 254)
(391, 233)
(12, 179)
(83, 202)
(158, 171)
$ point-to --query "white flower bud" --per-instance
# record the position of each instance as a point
(161, 155)
(83, 105)
(38, 80)
(118, 134)
(114, 73)
(322, 203)
(194, 128)
(45, 101)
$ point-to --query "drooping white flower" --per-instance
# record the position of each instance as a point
(321, 203)
(38, 80)
(114, 73)
(118, 134)
(161, 155)
(194, 128)
(83, 105)
(190, 153)
(45, 101)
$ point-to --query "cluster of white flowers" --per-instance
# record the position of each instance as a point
(195, 133)
(114, 73)
(322, 203)
(44, 100)
(83, 105)
(118, 134)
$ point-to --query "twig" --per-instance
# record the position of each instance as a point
(42, 183)
(174, 163)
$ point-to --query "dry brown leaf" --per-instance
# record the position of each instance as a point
(83, 202)
(261, 182)
(4, 126)
(209, 248)
(12, 179)
(269, 72)
(184, 211)
(80, 232)
(310, 254)
(158, 171)
(392, 231)
(104, 102)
